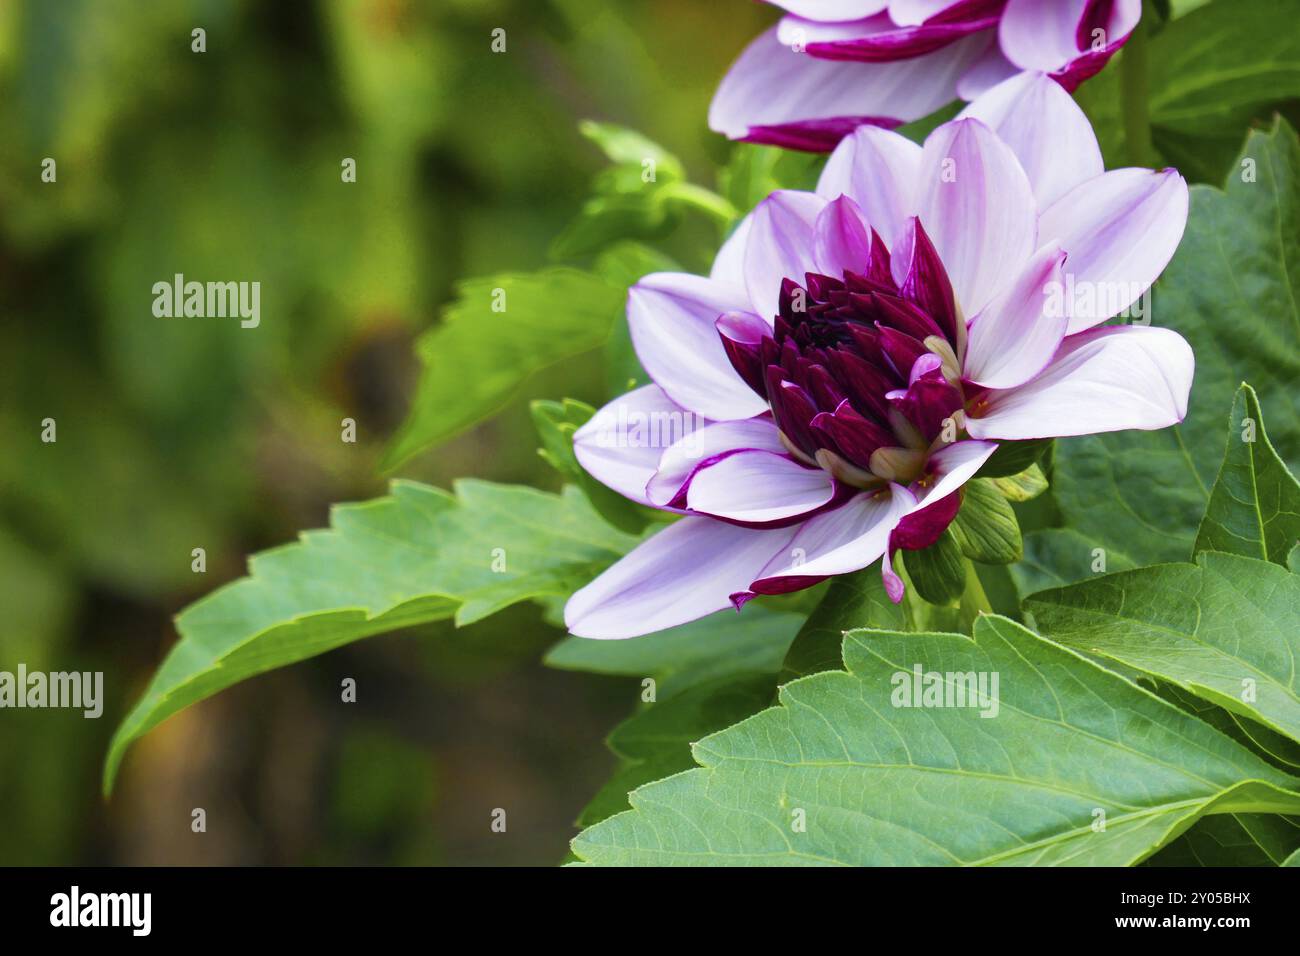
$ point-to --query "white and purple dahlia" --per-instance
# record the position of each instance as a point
(832, 65)
(858, 353)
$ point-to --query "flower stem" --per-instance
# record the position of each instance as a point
(704, 200)
(974, 601)
(1135, 95)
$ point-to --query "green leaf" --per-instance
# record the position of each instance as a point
(556, 423)
(1142, 494)
(852, 601)
(715, 647)
(1025, 486)
(627, 147)
(755, 172)
(656, 742)
(1226, 629)
(938, 572)
(1212, 73)
(836, 774)
(1243, 839)
(1292, 860)
(498, 333)
(1254, 507)
(420, 554)
(1013, 457)
(985, 528)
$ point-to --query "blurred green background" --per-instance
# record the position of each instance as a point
(172, 435)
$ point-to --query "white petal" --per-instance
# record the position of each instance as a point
(1103, 380)
(685, 456)
(684, 572)
(1046, 130)
(977, 206)
(673, 319)
(1016, 334)
(759, 486)
(949, 468)
(846, 539)
(879, 170)
(619, 453)
(780, 246)
(1119, 230)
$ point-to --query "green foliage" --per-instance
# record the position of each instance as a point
(1229, 290)
(1254, 506)
(499, 332)
(852, 601)
(837, 774)
(419, 555)
(1212, 73)
(1226, 628)
(985, 528)
(938, 572)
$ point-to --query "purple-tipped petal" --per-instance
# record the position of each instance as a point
(977, 206)
(1103, 380)
(618, 446)
(949, 468)
(879, 170)
(837, 542)
(654, 587)
(1049, 35)
(841, 239)
(774, 95)
(742, 335)
(1119, 230)
(880, 39)
(1016, 334)
(1046, 130)
(780, 245)
(851, 435)
(671, 477)
(922, 278)
(926, 525)
(673, 319)
(758, 487)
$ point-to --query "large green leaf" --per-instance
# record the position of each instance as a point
(1226, 629)
(420, 554)
(872, 783)
(1211, 73)
(1233, 839)
(1230, 291)
(712, 648)
(499, 332)
(1254, 507)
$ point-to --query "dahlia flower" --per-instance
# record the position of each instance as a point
(832, 65)
(856, 355)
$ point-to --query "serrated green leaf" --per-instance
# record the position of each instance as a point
(985, 528)
(1254, 507)
(421, 554)
(556, 424)
(476, 360)
(656, 742)
(836, 774)
(852, 601)
(1226, 629)
(1142, 494)
(938, 572)
(1024, 486)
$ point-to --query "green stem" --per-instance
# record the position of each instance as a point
(974, 601)
(1135, 95)
(704, 200)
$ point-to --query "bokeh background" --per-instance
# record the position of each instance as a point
(225, 165)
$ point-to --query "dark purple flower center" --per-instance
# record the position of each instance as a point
(862, 372)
